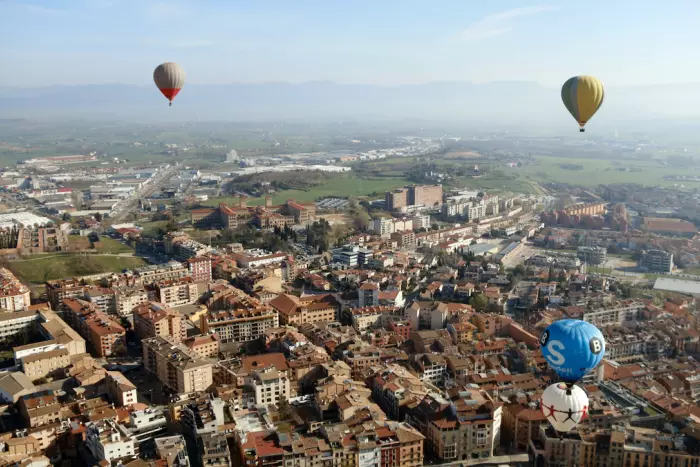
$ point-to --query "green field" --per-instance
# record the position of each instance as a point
(39, 269)
(596, 171)
(342, 185)
(105, 245)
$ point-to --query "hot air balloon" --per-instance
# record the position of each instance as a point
(169, 77)
(572, 348)
(582, 96)
(565, 406)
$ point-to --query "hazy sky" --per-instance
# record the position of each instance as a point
(358, 41)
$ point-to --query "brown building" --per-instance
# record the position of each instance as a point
(43, 364)
(106, 335)
(57, 290)
(521, 424)
(396, 200)
(592, 209)
(205, 345)
(426, 195)
(176, 366)
(669, 226)
(177, 292)
(240, 318)
(465, 426)
(405, 240)
(40, 408)
(265, 217)
(311, 309)
(156, 319)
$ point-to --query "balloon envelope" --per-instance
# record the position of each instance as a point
(170, 78)
(572, 348)
(564, 406)
(582, 97)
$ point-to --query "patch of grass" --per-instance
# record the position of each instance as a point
(341, 185)
(105, 245)
(109, 245)
(150, 228)
(39, 270)
(548, 169)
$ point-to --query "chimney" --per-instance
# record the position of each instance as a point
(268, 201)
(242, 201)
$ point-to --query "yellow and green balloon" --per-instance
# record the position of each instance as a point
(582, 95)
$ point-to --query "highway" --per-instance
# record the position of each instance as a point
(130, 205)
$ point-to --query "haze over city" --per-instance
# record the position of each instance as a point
(524, 50)
(349, 234)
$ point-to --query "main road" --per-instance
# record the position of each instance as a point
(129, 205)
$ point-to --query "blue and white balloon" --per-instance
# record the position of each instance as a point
(572, 348)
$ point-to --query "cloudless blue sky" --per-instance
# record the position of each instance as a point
(624, 42)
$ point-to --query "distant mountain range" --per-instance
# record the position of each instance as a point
(509, 102)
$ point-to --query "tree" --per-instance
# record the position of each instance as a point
(360, 219)
(284, 409)
(98, 217)
(479, 302)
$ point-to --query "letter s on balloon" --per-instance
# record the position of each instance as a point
(555, 357)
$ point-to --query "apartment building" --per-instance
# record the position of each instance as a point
(311, 309)
(352, 255)
(368, 294)
(14, 296)
(404, 240)
(401, 199)
(161, 272)
(465, 425)
(374, 444)
(425, 195)
(269, 386)
(40, 365)
(614, 315)
(204, 345)
(360, 360)
(385, 226)
(176, 366)
(40, 408)
(396, 200)
(103, 298)
(121, 391)
(106, 442)
(176, 292)
(173, 449)
(128, 298)
(213, 450)
(200, 268)
(106, 335)
(246, 320)
(53, 328)
(258, 258)
(657, 260)
(16, 326)
(592, 254)
(157, 319)
(60, 289)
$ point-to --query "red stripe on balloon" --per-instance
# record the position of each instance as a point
(170, 93)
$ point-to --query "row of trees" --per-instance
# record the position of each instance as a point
(9, 237)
